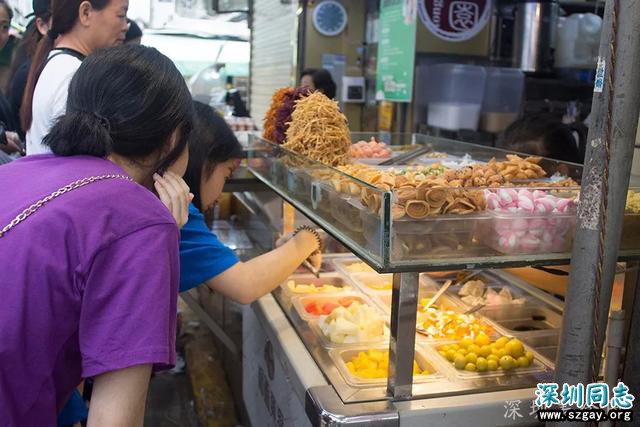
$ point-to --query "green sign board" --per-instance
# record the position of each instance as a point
(396, 50)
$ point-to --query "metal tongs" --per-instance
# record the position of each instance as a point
(311, 268)
(446, 286)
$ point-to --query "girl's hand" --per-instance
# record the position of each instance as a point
(305, 241)
(175, 195)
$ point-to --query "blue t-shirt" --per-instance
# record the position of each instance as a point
(202, 255)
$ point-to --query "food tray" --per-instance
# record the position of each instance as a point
(384, 300)
(343, 355)
(496, 283)
(546, 345)
(538, 364)
(300, 301)
(309, 279)
(518, 320)
(536, 223)
(362, 280)
(344, 264)
(314, 325)
(513, 234)
(326, 267)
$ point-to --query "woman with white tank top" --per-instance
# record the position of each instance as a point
(77, 29)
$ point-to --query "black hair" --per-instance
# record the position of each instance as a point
(134, 31)
(324, 83)
(544, 135)
(212, 142)
(127, 100)
(64, 14)
(307, 72)
(7, 8)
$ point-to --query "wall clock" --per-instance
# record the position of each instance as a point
(330, 18)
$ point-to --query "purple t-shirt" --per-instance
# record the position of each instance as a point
(88, 283)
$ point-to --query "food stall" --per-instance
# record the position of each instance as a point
(317, 351)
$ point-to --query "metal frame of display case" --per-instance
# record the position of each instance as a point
(265, 154)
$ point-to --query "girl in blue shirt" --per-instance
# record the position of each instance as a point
(214, 154)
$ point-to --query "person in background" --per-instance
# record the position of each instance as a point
(36, 30)
(10, 144)
(214, 153)
(323, 82)
(96, 268)
(544, 135)
(306, 78)
(134, 33)
(7, 44)
(78, 28)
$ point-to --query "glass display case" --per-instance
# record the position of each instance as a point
(393, 226)
(442, 205)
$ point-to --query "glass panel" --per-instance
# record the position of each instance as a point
(418, 216)
(327, 196)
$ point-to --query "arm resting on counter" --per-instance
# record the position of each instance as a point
(245, 282)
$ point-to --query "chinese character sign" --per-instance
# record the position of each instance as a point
(455, 20)
(396, 50)
(594, 395)
(512, 409)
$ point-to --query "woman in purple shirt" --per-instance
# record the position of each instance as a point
(88, 253)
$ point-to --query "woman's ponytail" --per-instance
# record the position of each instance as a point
(80, 133)
(37, 64)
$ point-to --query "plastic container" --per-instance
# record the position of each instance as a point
(527, 319)
(308, 279)
(373, 282)
(537, 365)
(350, 266)
(546, 345)
(444, 302)
(380, 340)
(494, 283)
(526, 221)
(299, 303)
(515, 233)
(455, 95)
(326, 267)
(344, 355)
(502, 98)
(578, 41)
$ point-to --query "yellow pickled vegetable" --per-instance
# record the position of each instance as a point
(374, 364)
(301, 288)
(359, 267)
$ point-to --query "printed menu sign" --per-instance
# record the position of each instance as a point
(455, 20)
(396, 50)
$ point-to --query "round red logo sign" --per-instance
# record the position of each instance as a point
(455, 20)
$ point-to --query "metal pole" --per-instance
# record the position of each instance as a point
(615, 343)
(404, 303)
(602, 198)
